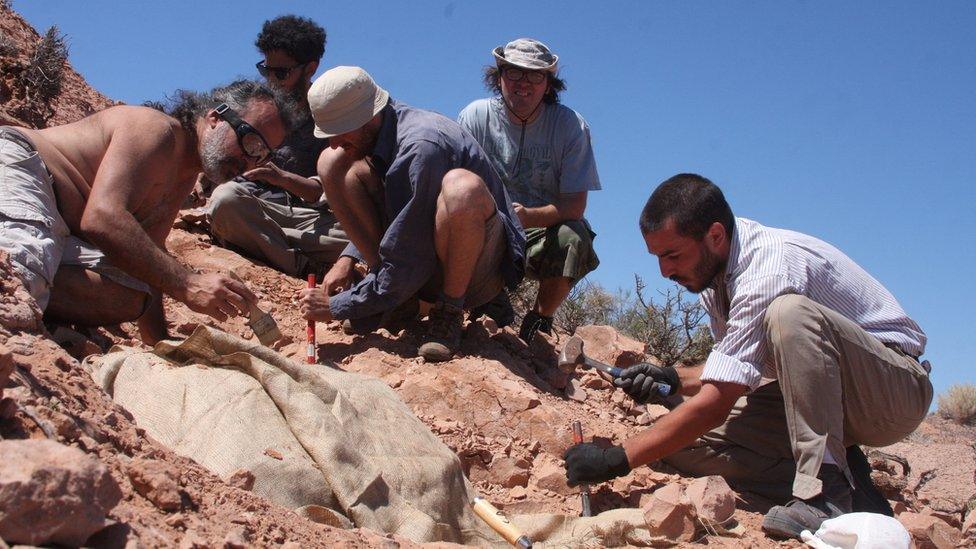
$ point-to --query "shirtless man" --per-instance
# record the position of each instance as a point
(86, 207)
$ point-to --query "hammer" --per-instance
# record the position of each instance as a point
(572, 356)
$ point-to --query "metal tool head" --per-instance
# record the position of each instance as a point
(572, 355)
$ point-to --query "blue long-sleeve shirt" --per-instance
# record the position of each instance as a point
(414, 150)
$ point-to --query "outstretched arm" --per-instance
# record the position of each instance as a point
(569, 207)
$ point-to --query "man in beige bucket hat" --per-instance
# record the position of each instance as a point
(425, 212)
(542, 151)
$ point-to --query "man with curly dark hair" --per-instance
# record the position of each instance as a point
(542, 151)
(276, 213)
(87, 206)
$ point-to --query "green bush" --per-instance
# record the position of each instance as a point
(959, 403)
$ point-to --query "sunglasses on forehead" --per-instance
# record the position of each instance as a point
(279, 73)
(250, 139)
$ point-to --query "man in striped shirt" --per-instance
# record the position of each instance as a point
(812, 357)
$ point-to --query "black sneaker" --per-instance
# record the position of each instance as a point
(443, 333)
(498, 309)
(787, 521)
(865, 497)
(532, 323)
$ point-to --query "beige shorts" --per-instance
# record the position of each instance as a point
(32, 230)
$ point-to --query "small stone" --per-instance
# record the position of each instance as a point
(176, 521)
(550, 475)
(505, 471)
(8, 407)
(157, 482)
(272, 453)
(236, 538)
(519, 492)
(714, 501)
(575, 390)
(192, 540)
(671, 514)
(241, 478)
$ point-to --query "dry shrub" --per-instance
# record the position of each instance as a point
(959, 403)
(45, 75)
(8, 48)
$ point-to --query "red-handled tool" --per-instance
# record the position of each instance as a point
(584, 488)
(310, 329)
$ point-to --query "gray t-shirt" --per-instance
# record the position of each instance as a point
(557, 156)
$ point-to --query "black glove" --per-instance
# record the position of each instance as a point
(587, 462)
(645, 382)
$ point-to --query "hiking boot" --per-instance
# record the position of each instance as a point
(443, 333)
(787, 521)
(865, 497)
(532, 323)
(498, 309)
(393, 320)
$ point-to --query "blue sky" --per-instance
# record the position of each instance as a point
(851, 121)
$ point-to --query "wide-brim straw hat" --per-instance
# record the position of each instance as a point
(344, 99)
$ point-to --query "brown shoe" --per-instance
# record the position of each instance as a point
(443, 333)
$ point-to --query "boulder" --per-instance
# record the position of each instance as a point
(603, 343)
(929, 532)
(52, 494)
(156, 481)
(671, 514)
(714, 501)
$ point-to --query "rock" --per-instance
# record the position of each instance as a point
(52, 494)
(929, 532)
(575, 390)
(556, 378)
(671, 514)
(236, 538)
(603, 343)
(519, 492)
(548, 474)
(6, 366)
(656, 411)
(19, 311)
(156, 481)
(8, 407)
(714, 501)
(241, 478)
(506, 472)
(969, 525)
(947, 468)
(193, 540)
(593, 380)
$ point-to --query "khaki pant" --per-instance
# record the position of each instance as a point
(837, 386)
(287, 238)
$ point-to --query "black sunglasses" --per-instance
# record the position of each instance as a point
(515, 74)
(280, 73)
(250, 140)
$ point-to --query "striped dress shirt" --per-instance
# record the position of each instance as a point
(765, 263)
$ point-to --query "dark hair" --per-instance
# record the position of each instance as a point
(692, 201)
(187, 106)
(301, 38)
(493, 75)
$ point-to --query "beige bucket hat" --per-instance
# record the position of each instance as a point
(344, 99)
(526, 53)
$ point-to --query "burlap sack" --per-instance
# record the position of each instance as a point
(319, 439)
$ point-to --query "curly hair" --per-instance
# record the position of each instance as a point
(300, 37)
(492, 78)
(187, 106)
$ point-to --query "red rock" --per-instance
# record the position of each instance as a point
(272, 453)
(241, 478)
(671, 514)
(575, 391)
(52, 494)
(593, 380)
(506, 472)
(6, 366)
(603, 343)
(157, 482)
(714, 501)
(548, 474)
(519, 492)
(929, 532)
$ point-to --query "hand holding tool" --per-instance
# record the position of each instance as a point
(584, 488)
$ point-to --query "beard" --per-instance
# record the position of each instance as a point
(217, 164)
(705, 271)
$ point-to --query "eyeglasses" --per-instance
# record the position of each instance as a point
(515, 74)
(280, 73)
(250, 140)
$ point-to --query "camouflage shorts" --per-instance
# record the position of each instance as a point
(565, 249)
